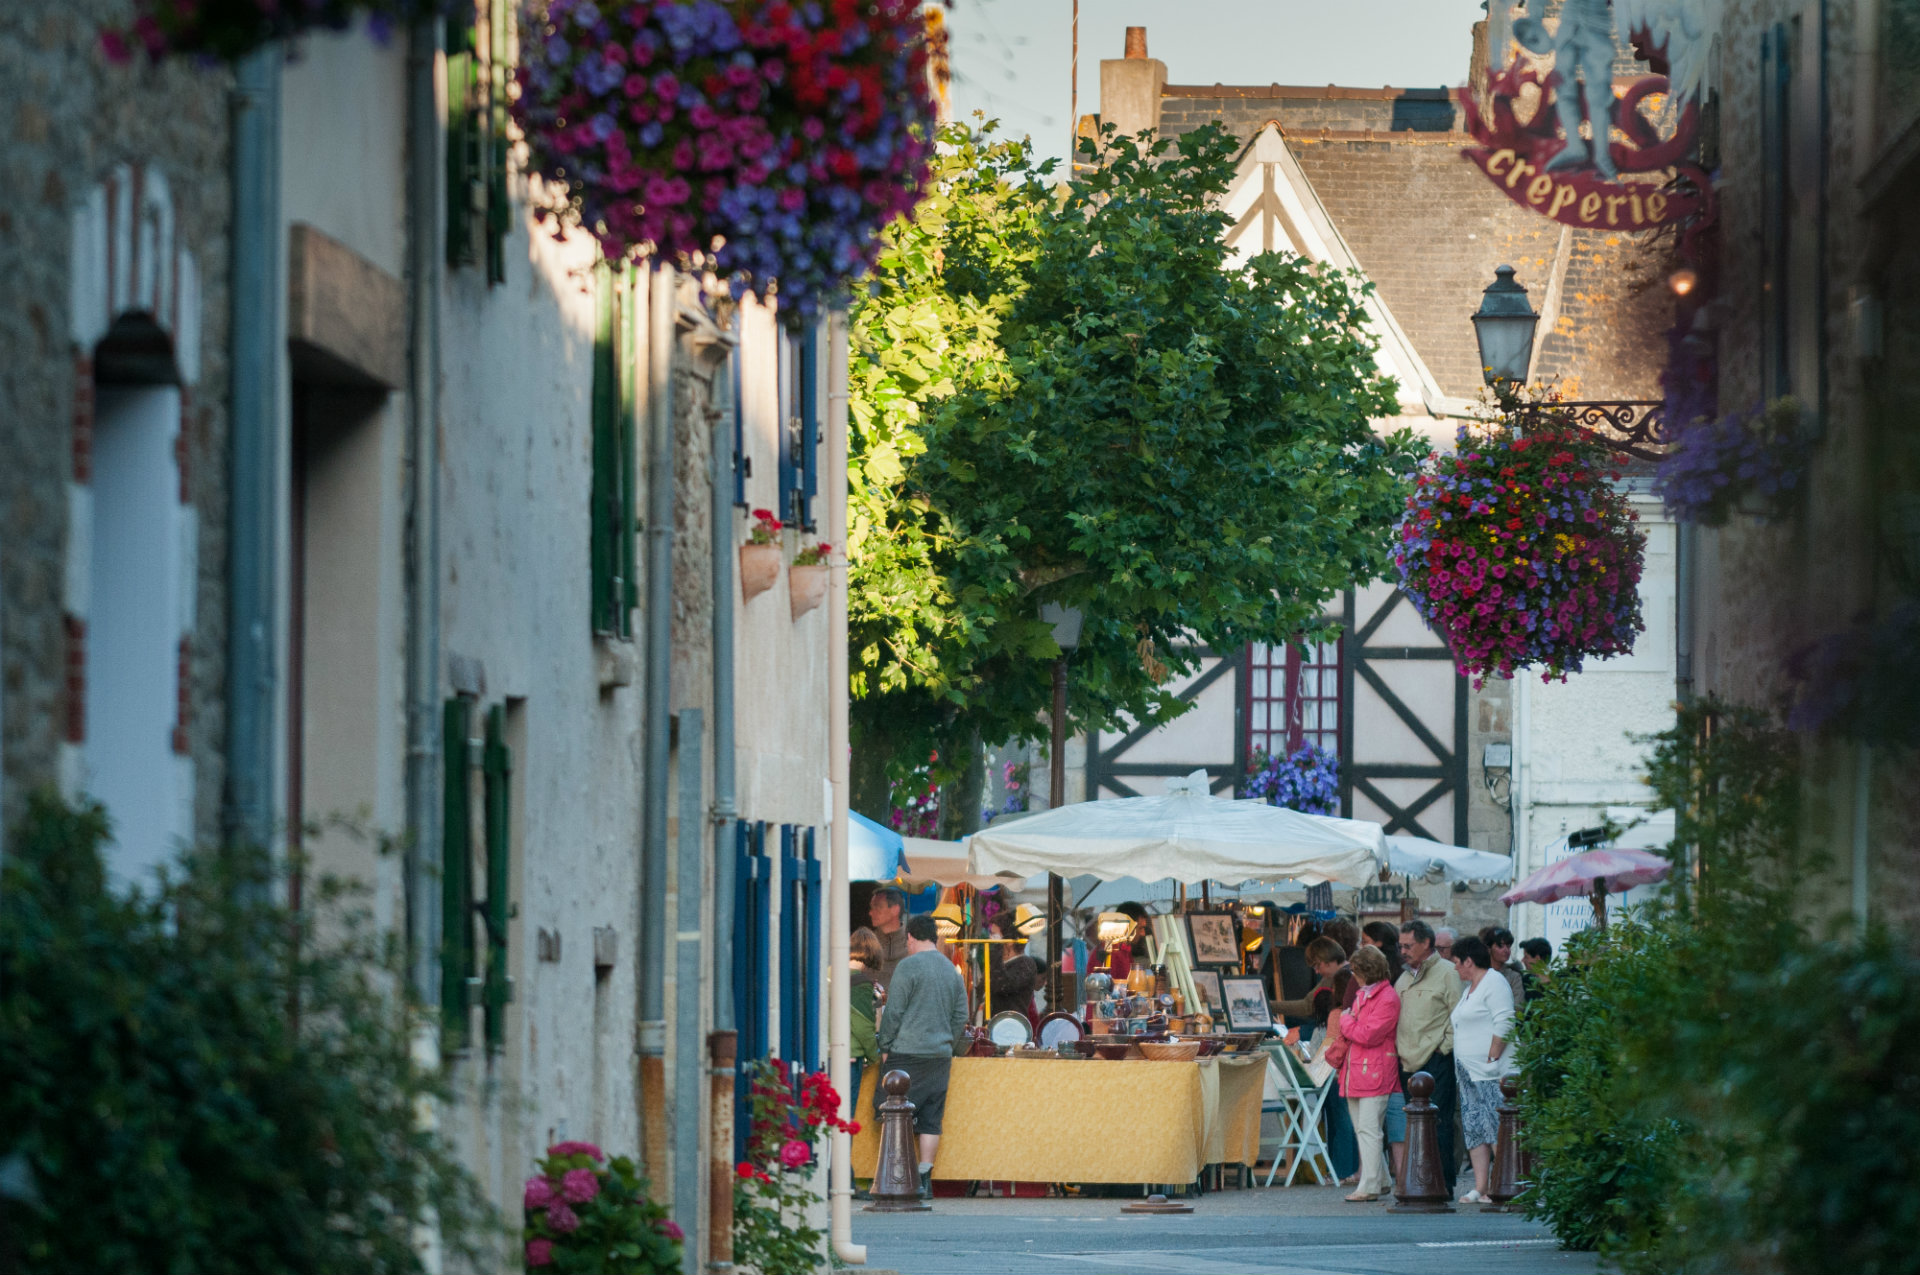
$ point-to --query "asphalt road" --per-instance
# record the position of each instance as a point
(1284, 1231)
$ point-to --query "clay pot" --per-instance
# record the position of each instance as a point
(759, 568)
(806, 587)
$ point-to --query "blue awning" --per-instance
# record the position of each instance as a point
(875, 852)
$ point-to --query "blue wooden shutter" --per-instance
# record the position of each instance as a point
(807, 452)
(792, 959)
(456, 873)
(739, 410)
(811, 879)
(752, 911)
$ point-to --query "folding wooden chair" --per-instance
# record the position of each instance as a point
(1301, 1104)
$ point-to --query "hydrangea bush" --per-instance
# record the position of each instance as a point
(228, 30)
(773, 139)
(1307, 780)
(1751, 462)
(1519, 552)
(773, 1194)
(585, 1212)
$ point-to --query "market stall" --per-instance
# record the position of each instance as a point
(1016, 1120)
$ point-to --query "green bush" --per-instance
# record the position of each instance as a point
(197, 1080)
(1601, 1172)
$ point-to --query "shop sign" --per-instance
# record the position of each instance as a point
(1639, 180)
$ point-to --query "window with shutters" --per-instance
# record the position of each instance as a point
(800, 427)
(475, 902)
(613, 550)
(1293, 697)
(480, 43)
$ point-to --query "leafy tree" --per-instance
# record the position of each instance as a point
(1067, 394)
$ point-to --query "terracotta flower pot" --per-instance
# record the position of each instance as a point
(806, 587)
(759, 568)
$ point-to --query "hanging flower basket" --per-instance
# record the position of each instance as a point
(1307, 780)
(228, 30)
(1518, 551)
(1750, 462)
(773, 141)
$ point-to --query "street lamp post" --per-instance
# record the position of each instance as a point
(1066, 623)
(1503, 328)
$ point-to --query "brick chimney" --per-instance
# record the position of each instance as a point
(1130, 87)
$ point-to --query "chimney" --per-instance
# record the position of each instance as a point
(1130, 88)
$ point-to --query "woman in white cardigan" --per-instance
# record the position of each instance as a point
(1482, 1024)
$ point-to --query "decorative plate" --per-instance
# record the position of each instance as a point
(1010, 1027)
(1058, 1028)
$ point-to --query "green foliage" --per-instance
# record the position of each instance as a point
(582, 1217)
(1716, 1087)
(200, 1081)
(773, 1194)
(1602, 1174)
(1067, 395)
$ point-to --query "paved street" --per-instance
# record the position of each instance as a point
(1301, 1231)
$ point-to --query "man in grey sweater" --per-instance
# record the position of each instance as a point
(921, 1029)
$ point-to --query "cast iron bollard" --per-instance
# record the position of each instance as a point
(1421, 1188)
(1506, 1153)
(896, 1177)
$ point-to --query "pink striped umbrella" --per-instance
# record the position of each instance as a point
(1595, 873)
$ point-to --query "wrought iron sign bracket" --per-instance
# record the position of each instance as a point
(1631, 427)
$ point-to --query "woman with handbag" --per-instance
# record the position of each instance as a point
(1369, 1066)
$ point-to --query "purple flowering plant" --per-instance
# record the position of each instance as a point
(1751, 461)
(769, 140)
(1858, 683)
(1519, 551)
(586, 1212)
(228, 30)
(1307, 780)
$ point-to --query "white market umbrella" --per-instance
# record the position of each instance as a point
(1419, 857)
(1187, 835)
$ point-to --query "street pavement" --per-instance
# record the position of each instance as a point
(1284, 1231)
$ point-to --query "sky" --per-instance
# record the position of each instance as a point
(1012, 58)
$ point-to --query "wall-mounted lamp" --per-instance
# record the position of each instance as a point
(1496, 768)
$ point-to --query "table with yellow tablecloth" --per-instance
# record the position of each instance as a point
(1088, 1120)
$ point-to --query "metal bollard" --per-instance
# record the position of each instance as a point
(1505, 1183)
(1421, 1188)
(896, 1178)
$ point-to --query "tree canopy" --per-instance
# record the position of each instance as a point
(1066, 392)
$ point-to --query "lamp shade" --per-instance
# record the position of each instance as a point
(1503, 327)
(947, 918)
(1066, 624)
(1029, 920)
(1111, 927)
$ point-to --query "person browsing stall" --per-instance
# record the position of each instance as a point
(922, 1031)
(1429, 988)
(1370, 1071)
(886, 911)
(1482, 1025)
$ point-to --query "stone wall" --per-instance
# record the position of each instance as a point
(69, 118)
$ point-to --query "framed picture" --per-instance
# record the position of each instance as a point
(1213, 938)
(1246, 1005)
(1207, 983)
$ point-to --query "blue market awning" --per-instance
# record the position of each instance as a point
(874, 851)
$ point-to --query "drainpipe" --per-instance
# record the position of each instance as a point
(252, 527)
(424, 171)
(659, 741)
(689, 1093)
(723, 1043)
(839, 906)
(1684, 551)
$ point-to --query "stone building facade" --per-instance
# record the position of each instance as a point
(113, 420)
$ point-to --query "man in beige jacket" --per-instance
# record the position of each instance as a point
(1429, 988)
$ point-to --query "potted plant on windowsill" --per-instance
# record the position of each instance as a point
(807, 578)
(760, 556)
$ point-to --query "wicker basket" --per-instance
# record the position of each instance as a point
(1170, 1050)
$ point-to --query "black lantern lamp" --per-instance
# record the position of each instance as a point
(1503, 326)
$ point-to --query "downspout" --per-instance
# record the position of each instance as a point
(1684, 551)
(659, 741)
(839, 906)
(423, 510)
(723, 1044)
(252, 526)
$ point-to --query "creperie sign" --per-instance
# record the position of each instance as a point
(1578, 197)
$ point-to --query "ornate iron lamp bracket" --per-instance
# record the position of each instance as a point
(1632, 427)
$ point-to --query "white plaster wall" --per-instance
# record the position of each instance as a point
(1575, 750)
(343, 113)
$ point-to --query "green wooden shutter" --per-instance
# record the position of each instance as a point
(497, 773)
(456, 873)
(499, 206)
(479, 66)
(626, 545)
(463, 137)
(605, 498)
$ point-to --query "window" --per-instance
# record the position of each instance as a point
(1293, 697)
(613, 551)
(800, 433)
(479, 63)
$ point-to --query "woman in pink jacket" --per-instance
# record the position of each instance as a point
(1370, 1073)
